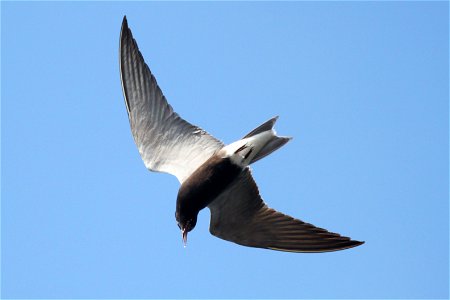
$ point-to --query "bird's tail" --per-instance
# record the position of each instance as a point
(273, 143)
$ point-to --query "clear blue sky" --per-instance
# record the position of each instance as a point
(361, 86)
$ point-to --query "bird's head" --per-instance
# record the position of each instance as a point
(186, 224)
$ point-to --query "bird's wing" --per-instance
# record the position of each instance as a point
(166, 142)
(240, 215)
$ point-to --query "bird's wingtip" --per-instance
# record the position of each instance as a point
(357, 243)
(124, 22)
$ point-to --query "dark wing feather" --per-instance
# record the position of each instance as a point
(240, 215)
(166, 142)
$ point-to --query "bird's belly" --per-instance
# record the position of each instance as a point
(209, 181)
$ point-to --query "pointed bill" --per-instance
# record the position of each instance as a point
(184, 234)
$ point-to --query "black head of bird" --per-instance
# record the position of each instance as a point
(186, 223)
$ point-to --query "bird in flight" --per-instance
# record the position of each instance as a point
(212, 174)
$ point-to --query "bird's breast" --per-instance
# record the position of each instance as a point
(206, 183)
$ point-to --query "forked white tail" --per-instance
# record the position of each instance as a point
(259, 143)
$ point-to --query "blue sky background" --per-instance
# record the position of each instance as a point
(361, 86)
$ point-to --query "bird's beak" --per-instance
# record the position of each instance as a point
(184, 233)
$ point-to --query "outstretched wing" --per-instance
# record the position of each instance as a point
(166, 142)
(240, 215)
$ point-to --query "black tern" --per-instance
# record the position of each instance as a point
(211, 174)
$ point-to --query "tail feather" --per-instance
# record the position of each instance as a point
(261, 128)
(275, 143)
(272, 144)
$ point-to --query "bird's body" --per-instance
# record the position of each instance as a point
(214, 176)
(205, 185)
(211, 174)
